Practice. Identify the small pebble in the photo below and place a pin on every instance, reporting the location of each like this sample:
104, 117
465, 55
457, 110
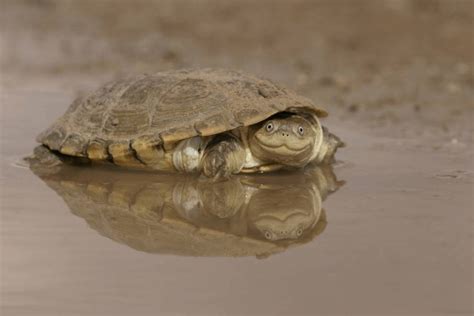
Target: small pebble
354, 107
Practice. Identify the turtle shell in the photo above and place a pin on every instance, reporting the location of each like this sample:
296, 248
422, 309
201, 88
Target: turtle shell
168, 107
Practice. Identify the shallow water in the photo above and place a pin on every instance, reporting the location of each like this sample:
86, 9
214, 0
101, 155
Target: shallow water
395, 239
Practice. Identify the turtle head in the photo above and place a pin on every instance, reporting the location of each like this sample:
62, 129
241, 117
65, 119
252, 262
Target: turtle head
285, 138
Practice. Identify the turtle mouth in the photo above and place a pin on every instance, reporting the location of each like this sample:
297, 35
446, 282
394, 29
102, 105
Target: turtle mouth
284, 149
298, 214
282, 146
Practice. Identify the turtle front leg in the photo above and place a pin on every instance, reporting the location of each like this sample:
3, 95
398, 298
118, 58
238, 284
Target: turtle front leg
224, 156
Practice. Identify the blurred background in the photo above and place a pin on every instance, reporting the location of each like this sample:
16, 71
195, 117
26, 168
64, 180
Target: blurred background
398, 68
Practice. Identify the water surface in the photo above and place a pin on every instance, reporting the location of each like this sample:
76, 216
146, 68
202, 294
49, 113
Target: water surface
395, 239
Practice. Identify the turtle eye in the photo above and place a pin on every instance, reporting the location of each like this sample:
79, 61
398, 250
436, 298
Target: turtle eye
301, 130
268, 235
269, 127
299, 232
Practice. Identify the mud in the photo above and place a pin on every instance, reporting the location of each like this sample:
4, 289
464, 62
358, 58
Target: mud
396, 238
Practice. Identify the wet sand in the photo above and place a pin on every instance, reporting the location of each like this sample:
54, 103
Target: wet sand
398, 240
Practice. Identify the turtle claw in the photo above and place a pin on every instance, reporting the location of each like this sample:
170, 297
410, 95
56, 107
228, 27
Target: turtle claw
220, 161
215, 166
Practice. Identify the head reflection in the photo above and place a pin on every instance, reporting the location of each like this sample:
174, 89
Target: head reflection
256, 215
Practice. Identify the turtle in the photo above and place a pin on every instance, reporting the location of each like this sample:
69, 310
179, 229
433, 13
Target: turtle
216, 122
244, 216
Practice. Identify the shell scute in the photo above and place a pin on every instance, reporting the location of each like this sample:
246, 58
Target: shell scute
53, 137
178, 133
98, 149
149, 151
267, 90
187, 91
217, 121
74, 145
126, 121
124, 155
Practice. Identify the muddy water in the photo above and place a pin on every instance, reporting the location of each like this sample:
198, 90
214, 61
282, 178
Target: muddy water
396, 238
192, 216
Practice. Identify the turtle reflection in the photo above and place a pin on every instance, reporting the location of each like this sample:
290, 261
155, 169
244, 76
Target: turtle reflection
245, 216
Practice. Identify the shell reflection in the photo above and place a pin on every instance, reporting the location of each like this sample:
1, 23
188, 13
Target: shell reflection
256, 215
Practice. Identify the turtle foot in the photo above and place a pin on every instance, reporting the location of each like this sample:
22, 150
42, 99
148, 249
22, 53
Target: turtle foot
223, 159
